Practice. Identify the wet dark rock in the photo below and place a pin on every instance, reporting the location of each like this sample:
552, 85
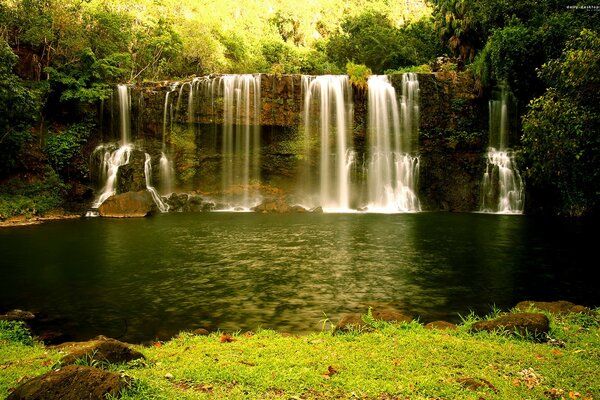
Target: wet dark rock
101, 349
194, 203
51, 337
207, 207
71, 383
554, 307
277, 206
521, 323
177, 201
316, 210
442, 63
131, 177
441, 325
17, 315
128, 205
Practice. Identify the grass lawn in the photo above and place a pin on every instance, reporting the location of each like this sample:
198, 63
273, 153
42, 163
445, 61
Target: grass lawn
387, 361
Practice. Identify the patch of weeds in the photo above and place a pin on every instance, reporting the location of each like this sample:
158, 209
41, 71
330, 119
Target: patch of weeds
495, 313
467, 321
326, 321
15, 332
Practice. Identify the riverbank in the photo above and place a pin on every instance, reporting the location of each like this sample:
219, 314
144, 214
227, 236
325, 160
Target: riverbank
24, 220
381, 360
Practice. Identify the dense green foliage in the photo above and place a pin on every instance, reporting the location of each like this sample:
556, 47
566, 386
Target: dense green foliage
561, 145
547, 53
373, 40
20, 197
19, 107
64, 150
15, 332
68, 54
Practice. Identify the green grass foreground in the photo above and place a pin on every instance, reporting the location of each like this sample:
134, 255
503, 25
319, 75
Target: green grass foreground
388, 361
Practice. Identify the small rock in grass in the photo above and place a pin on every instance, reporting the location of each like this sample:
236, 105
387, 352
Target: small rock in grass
554, 307
72, 382
101, 349
169, 376
520, 323
441, 325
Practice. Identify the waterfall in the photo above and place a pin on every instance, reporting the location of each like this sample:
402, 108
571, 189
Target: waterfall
110, 163
112, 158
166, 173
327, 116
502, 189
162, 206
241, 138
392, 173
124, 99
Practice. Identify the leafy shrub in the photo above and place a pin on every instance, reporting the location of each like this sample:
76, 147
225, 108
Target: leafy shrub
358, 74
15, 332
560, 131
64, 149
19, 198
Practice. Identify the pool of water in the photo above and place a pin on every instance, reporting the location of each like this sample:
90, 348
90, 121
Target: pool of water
141, 279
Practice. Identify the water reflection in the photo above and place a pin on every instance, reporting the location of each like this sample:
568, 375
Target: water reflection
149, 278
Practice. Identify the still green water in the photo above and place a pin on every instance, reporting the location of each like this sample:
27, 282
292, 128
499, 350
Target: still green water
141, 279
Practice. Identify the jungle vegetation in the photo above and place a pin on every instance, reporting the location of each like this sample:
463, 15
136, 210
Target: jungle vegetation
58, 59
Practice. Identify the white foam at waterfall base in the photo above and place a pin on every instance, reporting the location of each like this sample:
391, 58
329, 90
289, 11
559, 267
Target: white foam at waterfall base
500, 175
502, 189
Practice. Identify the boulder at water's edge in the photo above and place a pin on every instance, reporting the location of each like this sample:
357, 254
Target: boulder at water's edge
128, 205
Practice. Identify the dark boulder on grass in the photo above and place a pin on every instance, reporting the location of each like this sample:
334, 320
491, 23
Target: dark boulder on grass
101, 349
554, 307
440, 325
71, 383
520, 323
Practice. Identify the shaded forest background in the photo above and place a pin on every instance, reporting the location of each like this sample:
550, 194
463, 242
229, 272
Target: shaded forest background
58, 59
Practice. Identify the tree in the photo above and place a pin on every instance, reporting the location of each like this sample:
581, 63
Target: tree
19, 107
561, 131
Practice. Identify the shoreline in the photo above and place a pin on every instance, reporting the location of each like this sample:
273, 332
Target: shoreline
23, 220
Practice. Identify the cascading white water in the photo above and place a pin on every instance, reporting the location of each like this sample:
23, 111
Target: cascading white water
240, 138
124, 114
393, 172
502, 189
113, 159
166, 174
330, 98
162, 206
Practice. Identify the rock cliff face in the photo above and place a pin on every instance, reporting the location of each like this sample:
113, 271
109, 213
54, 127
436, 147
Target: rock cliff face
452, 135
